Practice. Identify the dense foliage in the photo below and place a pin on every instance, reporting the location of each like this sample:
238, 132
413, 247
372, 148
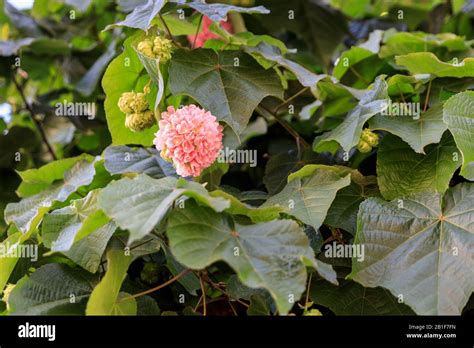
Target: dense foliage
344, 184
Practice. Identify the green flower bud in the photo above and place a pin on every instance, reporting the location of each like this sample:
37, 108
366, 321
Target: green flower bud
139, 103
145, 47
363, 146
162, 48
150, 273
138, 122
125, 101
370, 137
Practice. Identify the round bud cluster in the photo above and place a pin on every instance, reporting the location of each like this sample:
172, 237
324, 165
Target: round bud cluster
135, 106
156, 48
367, 141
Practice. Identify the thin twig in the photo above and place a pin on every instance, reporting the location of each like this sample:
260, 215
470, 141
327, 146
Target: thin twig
307, 292
197, 31
286, 126
37, 123
427, 99
296, 95
159, 287
168, 30
203, 290
218, 288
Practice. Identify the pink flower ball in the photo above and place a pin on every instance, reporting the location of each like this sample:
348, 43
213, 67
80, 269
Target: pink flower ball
190, 137
205, 34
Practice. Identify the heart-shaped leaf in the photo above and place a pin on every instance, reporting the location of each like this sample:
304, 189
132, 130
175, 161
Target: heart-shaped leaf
420, 248
230, 84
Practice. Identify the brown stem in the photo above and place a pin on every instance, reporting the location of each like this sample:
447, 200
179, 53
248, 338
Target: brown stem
197, 31
427, 99
286, 126
161, 286
203, 290
37, 123
290, 99
168, 31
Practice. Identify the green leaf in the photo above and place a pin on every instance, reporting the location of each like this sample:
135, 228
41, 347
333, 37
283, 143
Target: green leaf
218, 12
428, 63
80, 231
404, 43
349, 58
420, 248
270, 255
401, 171
344, 208
347, 134
36, 180
53, 289
27, 213
258, 306
148, 201
8, 257
308, 198
105, 299
459, 116
125, 305
255, 214
273, 54
124, 159
230, 84
142, 16
351, 298
125, 74
417, 130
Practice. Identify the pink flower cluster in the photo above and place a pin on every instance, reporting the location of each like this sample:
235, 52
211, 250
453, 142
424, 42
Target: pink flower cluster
190, 137
205, 34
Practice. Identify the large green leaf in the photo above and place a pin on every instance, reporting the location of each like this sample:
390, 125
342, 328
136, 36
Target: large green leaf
125, 74
105, 299
124, 159
8, 257
230, 84
405, 43
148, 200
419, 131
27, 213
420, 248
401, 171
347, 134
80, 231
53, 289
344, 208
428, 63
458, 114
271, 255
309, 197
36, 180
